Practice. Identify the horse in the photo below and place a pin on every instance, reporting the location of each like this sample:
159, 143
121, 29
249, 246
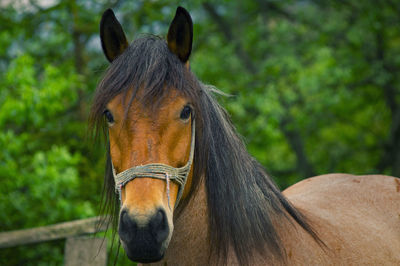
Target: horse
183, 190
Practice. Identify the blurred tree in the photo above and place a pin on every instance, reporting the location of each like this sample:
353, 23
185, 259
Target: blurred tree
319, 77
314, 90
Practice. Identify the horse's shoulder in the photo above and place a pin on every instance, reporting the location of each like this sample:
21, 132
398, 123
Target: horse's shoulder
343, 194
337, 184
349, 211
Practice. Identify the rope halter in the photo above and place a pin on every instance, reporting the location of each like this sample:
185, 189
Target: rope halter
158, 171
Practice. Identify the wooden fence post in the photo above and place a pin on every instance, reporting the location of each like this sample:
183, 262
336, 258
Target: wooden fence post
85, 251
80, 249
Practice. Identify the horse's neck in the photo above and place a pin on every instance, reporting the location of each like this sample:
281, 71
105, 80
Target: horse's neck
189, 244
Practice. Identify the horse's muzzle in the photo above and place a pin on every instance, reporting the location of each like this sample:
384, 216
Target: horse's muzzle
144, 238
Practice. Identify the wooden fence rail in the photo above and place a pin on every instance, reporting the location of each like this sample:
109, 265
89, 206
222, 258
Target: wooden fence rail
79, 249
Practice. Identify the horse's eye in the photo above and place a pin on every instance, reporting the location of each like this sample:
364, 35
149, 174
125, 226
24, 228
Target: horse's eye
185, 113
109, 117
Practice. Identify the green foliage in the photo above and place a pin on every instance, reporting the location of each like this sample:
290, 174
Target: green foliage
39, 179
314, 90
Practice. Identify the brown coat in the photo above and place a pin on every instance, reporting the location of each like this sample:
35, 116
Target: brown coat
358, 218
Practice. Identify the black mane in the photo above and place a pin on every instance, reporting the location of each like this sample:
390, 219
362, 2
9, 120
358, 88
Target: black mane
242, 199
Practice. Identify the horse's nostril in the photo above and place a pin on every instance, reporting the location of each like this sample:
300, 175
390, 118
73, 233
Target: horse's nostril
159, 226
125, 217
127, 227
158, 218
155, 230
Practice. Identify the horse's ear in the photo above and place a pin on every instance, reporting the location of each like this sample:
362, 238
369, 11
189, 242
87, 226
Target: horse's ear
112, 36
180, 34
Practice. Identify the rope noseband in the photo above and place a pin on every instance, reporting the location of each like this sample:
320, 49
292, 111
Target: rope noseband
157, 171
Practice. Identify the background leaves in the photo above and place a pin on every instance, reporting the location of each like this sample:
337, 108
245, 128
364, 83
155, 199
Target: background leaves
314, 85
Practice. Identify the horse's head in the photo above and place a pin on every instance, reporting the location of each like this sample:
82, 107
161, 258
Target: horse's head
147, 102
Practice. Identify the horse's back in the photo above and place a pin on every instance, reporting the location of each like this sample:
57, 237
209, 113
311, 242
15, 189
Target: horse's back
358, 217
